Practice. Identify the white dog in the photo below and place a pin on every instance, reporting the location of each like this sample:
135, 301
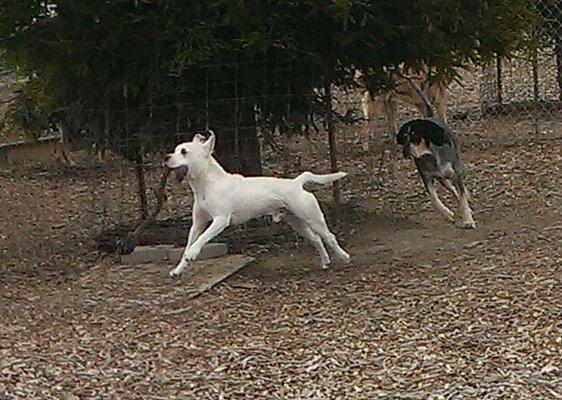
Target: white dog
223, 199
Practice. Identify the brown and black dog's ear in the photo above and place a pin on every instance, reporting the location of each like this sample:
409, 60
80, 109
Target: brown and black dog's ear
422, 128
402, 137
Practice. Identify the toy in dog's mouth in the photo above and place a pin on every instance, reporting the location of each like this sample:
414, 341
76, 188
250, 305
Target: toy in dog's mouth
179, 173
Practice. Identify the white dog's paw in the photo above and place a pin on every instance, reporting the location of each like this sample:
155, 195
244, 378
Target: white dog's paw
345, 257
467, 224
176, 272
191, 254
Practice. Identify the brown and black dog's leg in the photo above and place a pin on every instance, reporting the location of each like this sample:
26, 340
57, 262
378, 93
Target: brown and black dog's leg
449, 186
464, 206
435, 200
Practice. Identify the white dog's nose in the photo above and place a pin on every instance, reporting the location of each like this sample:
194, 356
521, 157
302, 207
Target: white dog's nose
166, 159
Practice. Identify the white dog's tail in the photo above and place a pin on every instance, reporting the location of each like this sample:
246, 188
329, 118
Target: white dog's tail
325, 179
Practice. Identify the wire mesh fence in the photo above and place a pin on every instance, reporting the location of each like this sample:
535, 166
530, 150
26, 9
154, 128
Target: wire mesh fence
532, 80
265, 125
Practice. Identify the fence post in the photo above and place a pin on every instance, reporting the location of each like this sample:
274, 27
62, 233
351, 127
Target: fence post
336, 191
139, 168
536, 93
499, 79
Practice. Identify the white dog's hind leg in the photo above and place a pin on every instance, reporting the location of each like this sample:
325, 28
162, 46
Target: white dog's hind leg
306, 208
302, 229
330, 239
192, 252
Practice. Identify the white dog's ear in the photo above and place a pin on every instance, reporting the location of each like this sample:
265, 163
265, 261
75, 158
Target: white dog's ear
210, 143
198, 138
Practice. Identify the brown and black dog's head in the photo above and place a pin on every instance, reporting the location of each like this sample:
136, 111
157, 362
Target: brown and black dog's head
413, 132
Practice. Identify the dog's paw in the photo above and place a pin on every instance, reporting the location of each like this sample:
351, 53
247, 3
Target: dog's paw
345, 258
467, 225
191, 254
176, 272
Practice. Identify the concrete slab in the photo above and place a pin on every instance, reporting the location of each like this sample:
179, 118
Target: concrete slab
148, 254
167, 253
210, 250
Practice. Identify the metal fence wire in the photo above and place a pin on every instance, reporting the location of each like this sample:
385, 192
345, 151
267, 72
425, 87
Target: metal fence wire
261, 96
532, 80
289, 129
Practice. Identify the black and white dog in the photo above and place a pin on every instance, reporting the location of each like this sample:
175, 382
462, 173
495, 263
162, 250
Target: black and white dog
437, 156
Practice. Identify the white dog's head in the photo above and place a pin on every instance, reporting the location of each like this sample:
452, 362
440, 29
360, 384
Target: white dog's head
191, 157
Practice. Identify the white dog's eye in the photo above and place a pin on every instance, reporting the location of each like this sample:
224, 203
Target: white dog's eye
183, 151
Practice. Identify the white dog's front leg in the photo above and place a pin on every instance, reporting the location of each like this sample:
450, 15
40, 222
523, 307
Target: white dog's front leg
192, 252
218, 225
198, 223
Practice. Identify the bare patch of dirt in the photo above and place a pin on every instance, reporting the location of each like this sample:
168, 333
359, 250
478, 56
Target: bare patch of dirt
423, 311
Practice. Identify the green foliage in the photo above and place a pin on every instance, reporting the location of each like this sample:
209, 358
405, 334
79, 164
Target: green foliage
178, 62
26, 113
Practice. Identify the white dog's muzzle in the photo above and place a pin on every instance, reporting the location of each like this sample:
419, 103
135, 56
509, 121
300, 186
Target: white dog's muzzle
179, 172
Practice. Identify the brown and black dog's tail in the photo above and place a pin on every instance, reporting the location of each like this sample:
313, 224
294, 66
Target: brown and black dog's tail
430, 109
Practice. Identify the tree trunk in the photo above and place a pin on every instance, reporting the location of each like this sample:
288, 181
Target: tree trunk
225, 153
238, 150
248, 149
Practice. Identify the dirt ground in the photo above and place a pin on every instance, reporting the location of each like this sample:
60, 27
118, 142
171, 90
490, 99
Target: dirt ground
424, 310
